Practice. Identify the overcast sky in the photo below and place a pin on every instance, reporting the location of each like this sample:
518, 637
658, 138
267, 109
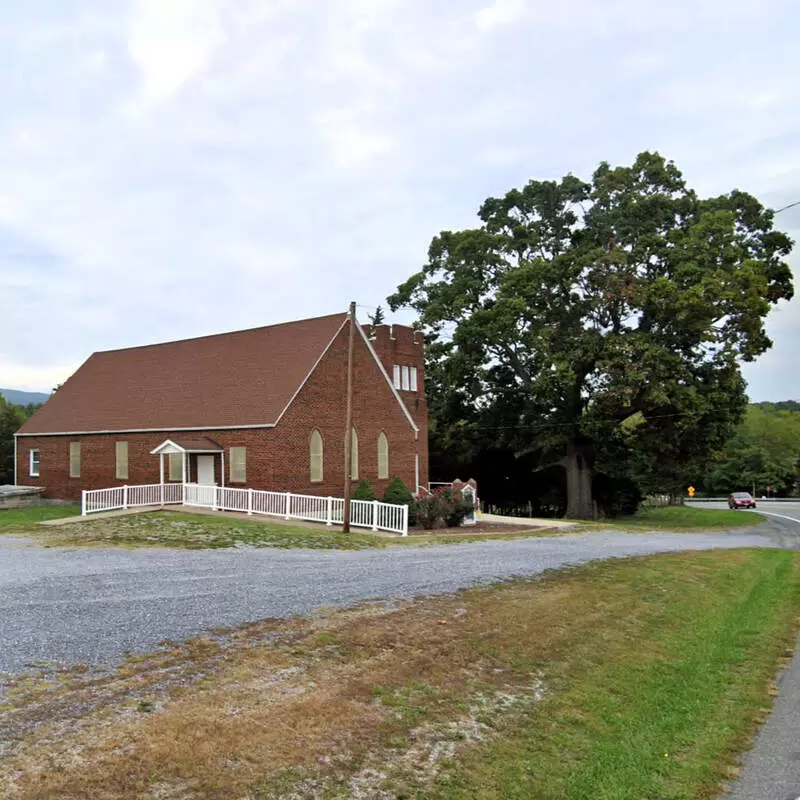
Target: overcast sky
173, 168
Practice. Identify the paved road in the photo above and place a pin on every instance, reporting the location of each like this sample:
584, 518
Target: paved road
92, 606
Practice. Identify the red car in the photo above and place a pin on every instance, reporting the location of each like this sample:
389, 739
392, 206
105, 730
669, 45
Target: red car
741, 500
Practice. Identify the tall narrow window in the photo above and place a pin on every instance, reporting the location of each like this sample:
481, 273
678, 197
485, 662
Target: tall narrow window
175, 466
405, 379
354, 454
238, 464
122, 461
413, 375
396, 376
316, 456
33, 463
383, 456
74, 459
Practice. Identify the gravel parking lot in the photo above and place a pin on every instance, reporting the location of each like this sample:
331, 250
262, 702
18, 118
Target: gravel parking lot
92, 606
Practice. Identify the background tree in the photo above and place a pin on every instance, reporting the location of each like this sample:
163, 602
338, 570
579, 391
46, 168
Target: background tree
763, 452
578, 307
10, 420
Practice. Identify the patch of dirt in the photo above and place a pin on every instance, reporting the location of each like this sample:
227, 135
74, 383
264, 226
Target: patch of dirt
481, 528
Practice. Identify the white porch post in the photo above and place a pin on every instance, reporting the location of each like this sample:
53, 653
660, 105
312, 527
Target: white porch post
161, 468
222, 477
185, 467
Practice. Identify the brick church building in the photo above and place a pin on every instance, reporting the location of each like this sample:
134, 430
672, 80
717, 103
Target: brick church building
262, 408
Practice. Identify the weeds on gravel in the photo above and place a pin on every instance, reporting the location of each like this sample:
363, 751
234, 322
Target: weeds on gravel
201, 531
635, 678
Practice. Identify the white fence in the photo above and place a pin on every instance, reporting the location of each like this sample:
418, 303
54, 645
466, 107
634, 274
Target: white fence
155, 494
363, 513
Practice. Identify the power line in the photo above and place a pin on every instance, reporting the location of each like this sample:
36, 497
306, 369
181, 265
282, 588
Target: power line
791, 205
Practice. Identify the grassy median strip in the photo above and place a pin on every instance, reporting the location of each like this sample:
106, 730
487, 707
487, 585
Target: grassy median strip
632, 679
685, 518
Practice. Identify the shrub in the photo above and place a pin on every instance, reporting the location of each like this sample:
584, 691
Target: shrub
455, 508
398, 494
428, 510
442, 505
364, 491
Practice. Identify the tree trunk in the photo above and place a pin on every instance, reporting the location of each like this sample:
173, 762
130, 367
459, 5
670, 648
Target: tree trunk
579, 483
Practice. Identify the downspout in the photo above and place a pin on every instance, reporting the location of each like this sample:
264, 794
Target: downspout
15, 460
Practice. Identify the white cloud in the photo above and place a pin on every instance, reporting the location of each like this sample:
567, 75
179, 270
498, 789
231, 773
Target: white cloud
286, 156
172, 41
501, 12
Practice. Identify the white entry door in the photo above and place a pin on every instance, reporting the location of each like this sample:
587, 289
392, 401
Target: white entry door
205, 471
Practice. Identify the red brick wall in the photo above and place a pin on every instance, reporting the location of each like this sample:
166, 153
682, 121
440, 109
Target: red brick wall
401, 345
277, 458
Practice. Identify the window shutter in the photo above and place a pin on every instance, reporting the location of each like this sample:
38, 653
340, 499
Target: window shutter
316, 456
122, 461
238, 464
175, 466
74, 459
383, 456
354, 456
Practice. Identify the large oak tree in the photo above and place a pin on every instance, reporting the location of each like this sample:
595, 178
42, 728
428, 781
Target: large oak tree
594, 319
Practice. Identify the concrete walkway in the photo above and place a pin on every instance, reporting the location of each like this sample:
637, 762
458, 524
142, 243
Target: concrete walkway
207, 512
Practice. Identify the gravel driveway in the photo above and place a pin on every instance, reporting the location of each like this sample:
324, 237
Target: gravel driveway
93, 606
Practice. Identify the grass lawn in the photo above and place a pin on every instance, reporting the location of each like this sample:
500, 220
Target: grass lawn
684, 518
200, 531
24, 518
631, 679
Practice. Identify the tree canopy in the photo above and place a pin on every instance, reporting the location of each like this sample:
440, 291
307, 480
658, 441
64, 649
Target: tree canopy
762, 456
600, 324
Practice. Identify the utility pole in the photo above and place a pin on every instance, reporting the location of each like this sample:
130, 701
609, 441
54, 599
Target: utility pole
348, 424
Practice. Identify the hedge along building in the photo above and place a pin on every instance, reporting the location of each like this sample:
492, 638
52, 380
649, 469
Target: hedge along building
262, 408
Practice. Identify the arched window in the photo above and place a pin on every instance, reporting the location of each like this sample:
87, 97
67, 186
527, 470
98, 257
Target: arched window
315, 450
354, 454
383, 456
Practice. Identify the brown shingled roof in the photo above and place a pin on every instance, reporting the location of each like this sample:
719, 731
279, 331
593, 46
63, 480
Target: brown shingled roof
231, 379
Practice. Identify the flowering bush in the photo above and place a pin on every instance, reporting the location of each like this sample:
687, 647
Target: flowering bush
443, 505
428, 510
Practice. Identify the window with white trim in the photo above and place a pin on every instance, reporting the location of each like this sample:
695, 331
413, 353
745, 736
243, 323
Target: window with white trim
405, 378
175, 461
383, 456
74, 459
353, 454
122, 460
238, 464
33, 463
315, 448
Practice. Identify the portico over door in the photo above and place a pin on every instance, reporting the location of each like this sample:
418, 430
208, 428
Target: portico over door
207, 452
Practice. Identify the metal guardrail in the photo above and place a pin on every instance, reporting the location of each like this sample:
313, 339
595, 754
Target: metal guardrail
757, 499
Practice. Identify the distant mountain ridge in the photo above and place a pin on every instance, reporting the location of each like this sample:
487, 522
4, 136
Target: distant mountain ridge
20, 398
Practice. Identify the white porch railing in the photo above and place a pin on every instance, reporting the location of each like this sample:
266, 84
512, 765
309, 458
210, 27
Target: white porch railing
329, 510
154, 494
